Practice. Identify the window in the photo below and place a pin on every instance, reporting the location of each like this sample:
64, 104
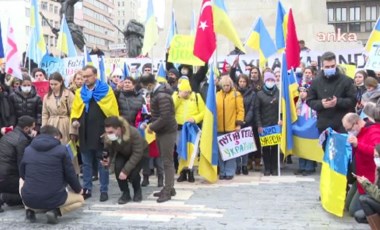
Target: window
330, 14
355, 27
27, 12
342, 27
43, 22
341, 14
56, 9
56, 24
355, 14
50, 7
46, 38
44, 6
370, 17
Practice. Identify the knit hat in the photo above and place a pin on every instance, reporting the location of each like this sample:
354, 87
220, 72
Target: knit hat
269, 75
175, 72
184, 84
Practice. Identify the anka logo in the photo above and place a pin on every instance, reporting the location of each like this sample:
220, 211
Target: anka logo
336, 37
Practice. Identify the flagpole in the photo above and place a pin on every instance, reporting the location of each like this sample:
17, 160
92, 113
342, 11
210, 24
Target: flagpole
279, 116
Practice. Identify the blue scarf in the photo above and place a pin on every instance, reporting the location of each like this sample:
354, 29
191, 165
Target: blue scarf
98, 93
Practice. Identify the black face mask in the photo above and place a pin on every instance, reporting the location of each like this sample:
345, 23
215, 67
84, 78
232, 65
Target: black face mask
171, 80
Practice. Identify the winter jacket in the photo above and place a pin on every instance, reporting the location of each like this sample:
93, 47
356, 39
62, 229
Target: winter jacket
162, 110
372, 96
249, 102
30, 105
133, 147
368, 137
339, 86
230, 110
130, 103
46, 169
372, 189
266, 107
6, 117
12, 146
193, 107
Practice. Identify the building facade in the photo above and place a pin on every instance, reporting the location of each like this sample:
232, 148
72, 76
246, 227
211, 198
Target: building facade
353, 16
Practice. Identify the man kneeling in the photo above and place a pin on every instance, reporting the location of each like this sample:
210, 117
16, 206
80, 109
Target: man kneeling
127, 150
45, 170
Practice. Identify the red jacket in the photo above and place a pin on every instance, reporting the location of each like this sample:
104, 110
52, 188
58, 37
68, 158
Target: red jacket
368, 137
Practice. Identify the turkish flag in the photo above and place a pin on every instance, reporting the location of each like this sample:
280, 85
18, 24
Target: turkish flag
292, 45
205, 38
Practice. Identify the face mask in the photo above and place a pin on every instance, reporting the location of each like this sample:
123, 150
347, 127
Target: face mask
329, 72
112, 137
26, 89
184, 72
353, 133
377, 161
269, 84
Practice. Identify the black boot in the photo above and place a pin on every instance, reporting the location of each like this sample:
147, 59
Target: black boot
137, 195
1, 202
160, 180
182, 176
238, 171
145, 181
30, 215
244, 169
52, 216
125, 198
190, 177
172, 193
164, 196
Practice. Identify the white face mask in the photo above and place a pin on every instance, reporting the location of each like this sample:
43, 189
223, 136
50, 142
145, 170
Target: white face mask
377, 161
353, 133
112, 137
270, 84
26, 89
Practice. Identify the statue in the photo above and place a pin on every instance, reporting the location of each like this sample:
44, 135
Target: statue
67, 8
134, 37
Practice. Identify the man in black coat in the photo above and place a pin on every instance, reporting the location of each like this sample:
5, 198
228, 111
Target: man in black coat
332, 95
46, 169
12, 146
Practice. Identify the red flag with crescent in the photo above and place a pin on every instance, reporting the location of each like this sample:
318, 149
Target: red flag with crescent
205, 38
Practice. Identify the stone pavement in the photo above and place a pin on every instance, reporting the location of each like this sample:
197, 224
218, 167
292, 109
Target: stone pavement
246, 202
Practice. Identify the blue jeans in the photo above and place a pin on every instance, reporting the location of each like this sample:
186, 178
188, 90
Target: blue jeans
242, 161
87, 159
306, 165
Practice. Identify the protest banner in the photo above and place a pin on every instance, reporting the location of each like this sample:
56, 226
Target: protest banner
42, 88
52, 64
181, 50
71, 66
373, 62
236, 144
270, 136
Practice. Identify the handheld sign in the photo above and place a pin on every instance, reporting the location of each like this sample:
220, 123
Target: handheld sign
236, 144
270, 136
373, 62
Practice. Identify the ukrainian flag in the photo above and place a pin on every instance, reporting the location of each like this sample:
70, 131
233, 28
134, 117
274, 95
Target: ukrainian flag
289, 90
188, 145
281, 26
151, 30
72, 149
65, 42
172, 31
374, 36
209, 140
2, 54
102, 70
161, 74
125, 70
223, 24
37, 46
261, 41
333, 181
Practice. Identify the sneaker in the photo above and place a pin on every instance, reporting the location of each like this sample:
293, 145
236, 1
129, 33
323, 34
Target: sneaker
103, 196
86, 193
172, 193
125, 198
30, 215
52, 216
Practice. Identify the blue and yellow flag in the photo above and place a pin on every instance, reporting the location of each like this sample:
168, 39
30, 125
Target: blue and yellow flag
261, 41
188, 145
65, 42
37, 46
223, 24
172, 30
72, 149
374, 36
102, 70
87, 58
151, 30
333, 181
125, 70
281, 26
161, 74
289, 90
208, 161
2, 54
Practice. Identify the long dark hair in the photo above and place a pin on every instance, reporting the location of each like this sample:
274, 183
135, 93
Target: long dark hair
57, 77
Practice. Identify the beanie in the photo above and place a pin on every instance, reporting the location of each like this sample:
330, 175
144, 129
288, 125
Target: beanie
269, 75
184, 84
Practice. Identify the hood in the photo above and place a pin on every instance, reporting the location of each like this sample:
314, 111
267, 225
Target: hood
44, 143
126, 134
188, 66
175, 72
33, 92
165, 88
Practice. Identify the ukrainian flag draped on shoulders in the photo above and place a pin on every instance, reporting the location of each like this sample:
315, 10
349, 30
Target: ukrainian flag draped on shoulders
333, 180
103, 96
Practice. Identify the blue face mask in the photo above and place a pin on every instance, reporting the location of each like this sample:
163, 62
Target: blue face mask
329, 72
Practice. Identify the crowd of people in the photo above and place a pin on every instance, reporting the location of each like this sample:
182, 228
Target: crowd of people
108, 123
